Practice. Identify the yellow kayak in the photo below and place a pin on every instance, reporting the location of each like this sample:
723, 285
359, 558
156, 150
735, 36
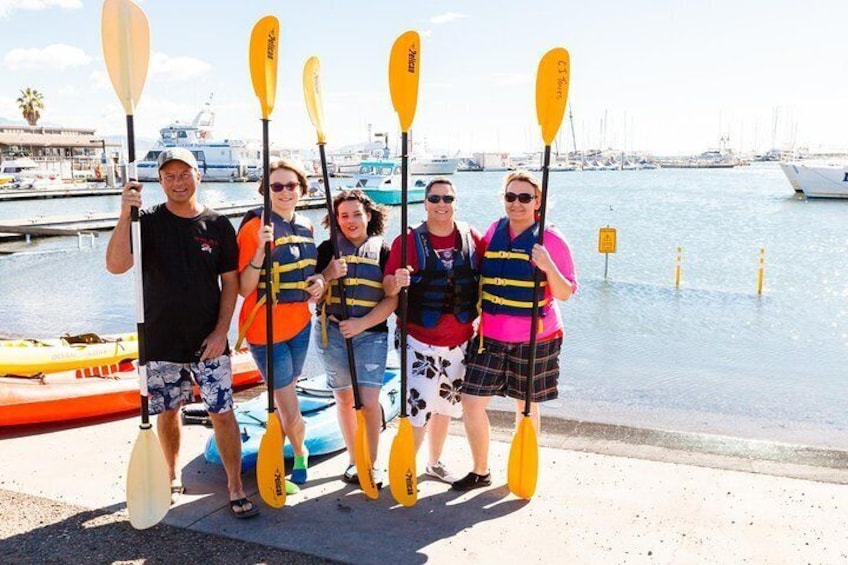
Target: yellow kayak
67, 353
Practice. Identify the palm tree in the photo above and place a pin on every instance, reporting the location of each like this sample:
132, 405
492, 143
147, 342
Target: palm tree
31, 103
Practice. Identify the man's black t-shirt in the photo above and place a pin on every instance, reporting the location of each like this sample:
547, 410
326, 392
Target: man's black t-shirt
325, 255
182, 259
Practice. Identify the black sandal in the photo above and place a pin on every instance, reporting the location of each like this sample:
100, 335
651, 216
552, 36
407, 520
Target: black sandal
237, 508
472, 481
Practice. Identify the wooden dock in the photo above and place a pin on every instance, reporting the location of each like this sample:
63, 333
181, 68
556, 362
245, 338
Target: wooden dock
70, 191
88, 224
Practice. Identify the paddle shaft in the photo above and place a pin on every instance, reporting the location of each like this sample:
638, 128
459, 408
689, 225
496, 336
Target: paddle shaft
334, 232
269, 295
135, 244
534, 313
403, 298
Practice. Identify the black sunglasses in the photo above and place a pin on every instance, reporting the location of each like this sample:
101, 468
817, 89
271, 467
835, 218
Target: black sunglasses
524, 198
290, 186
436, 198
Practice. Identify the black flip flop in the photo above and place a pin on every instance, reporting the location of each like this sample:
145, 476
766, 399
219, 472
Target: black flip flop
236, 504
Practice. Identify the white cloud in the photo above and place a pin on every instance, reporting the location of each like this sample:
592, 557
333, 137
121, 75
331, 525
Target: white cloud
165, 67
53, 57
510, 79
447, 18
9, 6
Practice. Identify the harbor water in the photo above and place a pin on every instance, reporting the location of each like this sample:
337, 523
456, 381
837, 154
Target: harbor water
712, 356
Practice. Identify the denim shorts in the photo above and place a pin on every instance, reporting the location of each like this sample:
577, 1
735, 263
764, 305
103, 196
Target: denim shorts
288, 358
170, 384
369, 352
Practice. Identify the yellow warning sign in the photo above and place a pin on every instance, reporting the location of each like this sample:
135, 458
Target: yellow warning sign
606, 240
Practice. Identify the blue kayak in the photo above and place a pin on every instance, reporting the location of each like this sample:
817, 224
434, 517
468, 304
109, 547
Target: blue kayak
318, 407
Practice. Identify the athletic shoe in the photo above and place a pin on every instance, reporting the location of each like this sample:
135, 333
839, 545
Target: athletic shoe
350, 475
472, 481
439, 471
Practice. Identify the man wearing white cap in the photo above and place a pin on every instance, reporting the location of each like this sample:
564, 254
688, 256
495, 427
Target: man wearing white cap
189, 263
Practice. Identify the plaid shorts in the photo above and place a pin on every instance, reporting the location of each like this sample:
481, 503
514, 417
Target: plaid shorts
501, 369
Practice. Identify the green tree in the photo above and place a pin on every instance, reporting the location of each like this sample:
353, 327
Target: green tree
31, 103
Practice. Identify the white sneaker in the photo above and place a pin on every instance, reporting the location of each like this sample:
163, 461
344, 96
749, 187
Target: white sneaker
439, 471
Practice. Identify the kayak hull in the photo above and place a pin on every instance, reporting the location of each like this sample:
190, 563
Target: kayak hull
318, 407
65, 396
30, 357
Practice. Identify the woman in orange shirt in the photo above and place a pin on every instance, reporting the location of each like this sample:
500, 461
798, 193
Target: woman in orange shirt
294, 284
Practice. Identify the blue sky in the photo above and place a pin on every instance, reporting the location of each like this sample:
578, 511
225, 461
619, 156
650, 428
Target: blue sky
664, 76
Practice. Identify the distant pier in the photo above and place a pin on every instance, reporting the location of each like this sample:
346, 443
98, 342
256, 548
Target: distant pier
88, 224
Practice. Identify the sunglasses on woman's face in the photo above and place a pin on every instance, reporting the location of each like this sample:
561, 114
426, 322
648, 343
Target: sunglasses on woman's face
290, 186
436, 198
524, 198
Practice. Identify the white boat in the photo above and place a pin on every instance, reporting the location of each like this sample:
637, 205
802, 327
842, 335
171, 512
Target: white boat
23, 172
433, 166
227, 160
819, 180
789, 169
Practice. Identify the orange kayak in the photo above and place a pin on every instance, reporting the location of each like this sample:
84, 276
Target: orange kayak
88, 393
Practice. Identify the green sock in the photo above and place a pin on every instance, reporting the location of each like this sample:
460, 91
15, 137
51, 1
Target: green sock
301, 461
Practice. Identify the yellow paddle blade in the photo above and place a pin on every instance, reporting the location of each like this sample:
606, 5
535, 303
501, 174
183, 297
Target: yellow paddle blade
404, 70
264, 44
126, 49
523, 467
403, 477
148, 483
312, 94
362, 457
270, 467
552, 81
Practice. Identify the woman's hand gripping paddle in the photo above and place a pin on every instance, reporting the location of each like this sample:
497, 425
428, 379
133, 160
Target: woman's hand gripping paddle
270, 467
126, 50
404, 72
314, 105
552, 81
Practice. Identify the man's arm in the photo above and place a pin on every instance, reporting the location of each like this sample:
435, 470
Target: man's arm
119, 257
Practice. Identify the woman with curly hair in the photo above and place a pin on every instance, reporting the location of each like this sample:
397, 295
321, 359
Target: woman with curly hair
363, 256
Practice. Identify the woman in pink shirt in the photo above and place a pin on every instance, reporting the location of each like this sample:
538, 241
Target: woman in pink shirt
498, 361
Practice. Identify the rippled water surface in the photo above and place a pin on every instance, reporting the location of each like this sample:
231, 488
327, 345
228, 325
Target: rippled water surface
712, 356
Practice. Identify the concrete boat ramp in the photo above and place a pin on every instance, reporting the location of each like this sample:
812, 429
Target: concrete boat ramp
601, 498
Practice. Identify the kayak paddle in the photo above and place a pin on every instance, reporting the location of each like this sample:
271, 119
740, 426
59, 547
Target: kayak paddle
404, 72
126, 49
361, 450
552, 79
270, 467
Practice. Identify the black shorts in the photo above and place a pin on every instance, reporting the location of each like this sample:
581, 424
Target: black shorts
501, 369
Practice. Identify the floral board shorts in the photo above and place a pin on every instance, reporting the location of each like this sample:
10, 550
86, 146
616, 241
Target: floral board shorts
170, 384
501, 370
434, 380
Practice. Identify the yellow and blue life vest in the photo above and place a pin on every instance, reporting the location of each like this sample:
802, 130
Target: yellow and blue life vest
293, 257
506, 274
364, 279
437, 290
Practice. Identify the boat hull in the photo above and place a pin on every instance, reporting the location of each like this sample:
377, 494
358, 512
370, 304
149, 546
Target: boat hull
31, 357
318, 407
65, 396
822, 181
434, 167
392, 197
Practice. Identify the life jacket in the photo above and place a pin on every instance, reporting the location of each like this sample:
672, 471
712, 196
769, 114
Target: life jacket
364, 279
363, 282
293, 259
437, 290
506, 274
